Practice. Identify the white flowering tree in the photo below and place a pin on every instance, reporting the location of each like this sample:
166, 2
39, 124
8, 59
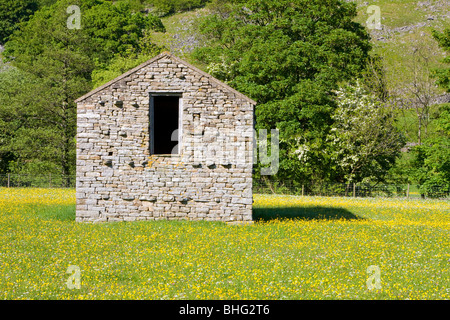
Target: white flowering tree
363, 141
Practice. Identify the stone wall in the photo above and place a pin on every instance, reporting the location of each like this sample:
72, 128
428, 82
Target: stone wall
119, 180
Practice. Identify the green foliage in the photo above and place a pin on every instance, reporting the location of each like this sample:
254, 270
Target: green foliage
119, 65
57, 60
13, 91
108, 29
432, 159
165, 7
57, 63
443, 74
122, 52
31, 136
288, 56
55, 212
12, 13
114, 28
363, 141
428, 163
374, 78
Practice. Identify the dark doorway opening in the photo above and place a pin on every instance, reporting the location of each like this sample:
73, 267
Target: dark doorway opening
165, 123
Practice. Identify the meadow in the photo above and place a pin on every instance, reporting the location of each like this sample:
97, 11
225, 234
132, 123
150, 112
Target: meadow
298, 248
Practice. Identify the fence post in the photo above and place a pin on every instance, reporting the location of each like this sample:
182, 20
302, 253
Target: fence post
407, 192
49, 180
303, 190
354, 190
8, 179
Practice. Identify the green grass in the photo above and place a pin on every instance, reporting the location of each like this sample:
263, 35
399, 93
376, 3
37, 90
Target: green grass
54, 212
394, 13
299, 248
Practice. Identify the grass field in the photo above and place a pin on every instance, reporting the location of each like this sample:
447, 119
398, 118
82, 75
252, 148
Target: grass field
299, 248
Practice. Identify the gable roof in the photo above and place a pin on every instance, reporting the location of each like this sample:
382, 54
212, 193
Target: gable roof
174, 58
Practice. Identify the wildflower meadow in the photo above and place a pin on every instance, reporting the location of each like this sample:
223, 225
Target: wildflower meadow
298, 248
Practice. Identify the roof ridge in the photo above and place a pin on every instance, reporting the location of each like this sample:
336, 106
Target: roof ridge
159, 56
124, 75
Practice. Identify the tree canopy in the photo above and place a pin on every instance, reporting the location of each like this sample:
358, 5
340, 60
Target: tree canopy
363, 141
57, 63
443, 75
288, 56
12, 13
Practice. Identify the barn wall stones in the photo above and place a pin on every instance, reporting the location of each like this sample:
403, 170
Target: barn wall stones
119, 180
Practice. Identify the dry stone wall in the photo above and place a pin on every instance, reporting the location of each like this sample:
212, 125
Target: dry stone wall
119, 180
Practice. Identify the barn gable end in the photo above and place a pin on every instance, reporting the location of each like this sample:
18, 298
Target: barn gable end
126, 127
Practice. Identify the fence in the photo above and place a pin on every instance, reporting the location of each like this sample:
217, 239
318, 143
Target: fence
36, 181
347, 190
259, 186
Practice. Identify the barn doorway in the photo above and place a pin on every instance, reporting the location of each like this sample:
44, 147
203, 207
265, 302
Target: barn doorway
165, 122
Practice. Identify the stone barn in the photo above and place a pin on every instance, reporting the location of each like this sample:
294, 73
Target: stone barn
164, 140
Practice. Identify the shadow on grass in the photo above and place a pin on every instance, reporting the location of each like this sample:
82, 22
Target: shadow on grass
67, 213
303, 213
55, 212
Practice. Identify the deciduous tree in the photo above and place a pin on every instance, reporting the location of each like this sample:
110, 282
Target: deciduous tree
363, 141
59, 62
288, 56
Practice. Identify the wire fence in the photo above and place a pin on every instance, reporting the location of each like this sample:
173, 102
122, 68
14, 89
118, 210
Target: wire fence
36, 181
262, 186
266, 186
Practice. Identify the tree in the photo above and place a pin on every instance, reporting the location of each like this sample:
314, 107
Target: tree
288, 56
418, 90
363, 141
374, 78
13, 93
432, 159
431, 164
114, 28
59, 61
443, 74
125, 61
12, 13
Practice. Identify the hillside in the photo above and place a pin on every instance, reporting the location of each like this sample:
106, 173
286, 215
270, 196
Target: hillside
402, 23
405, 25
180, 37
